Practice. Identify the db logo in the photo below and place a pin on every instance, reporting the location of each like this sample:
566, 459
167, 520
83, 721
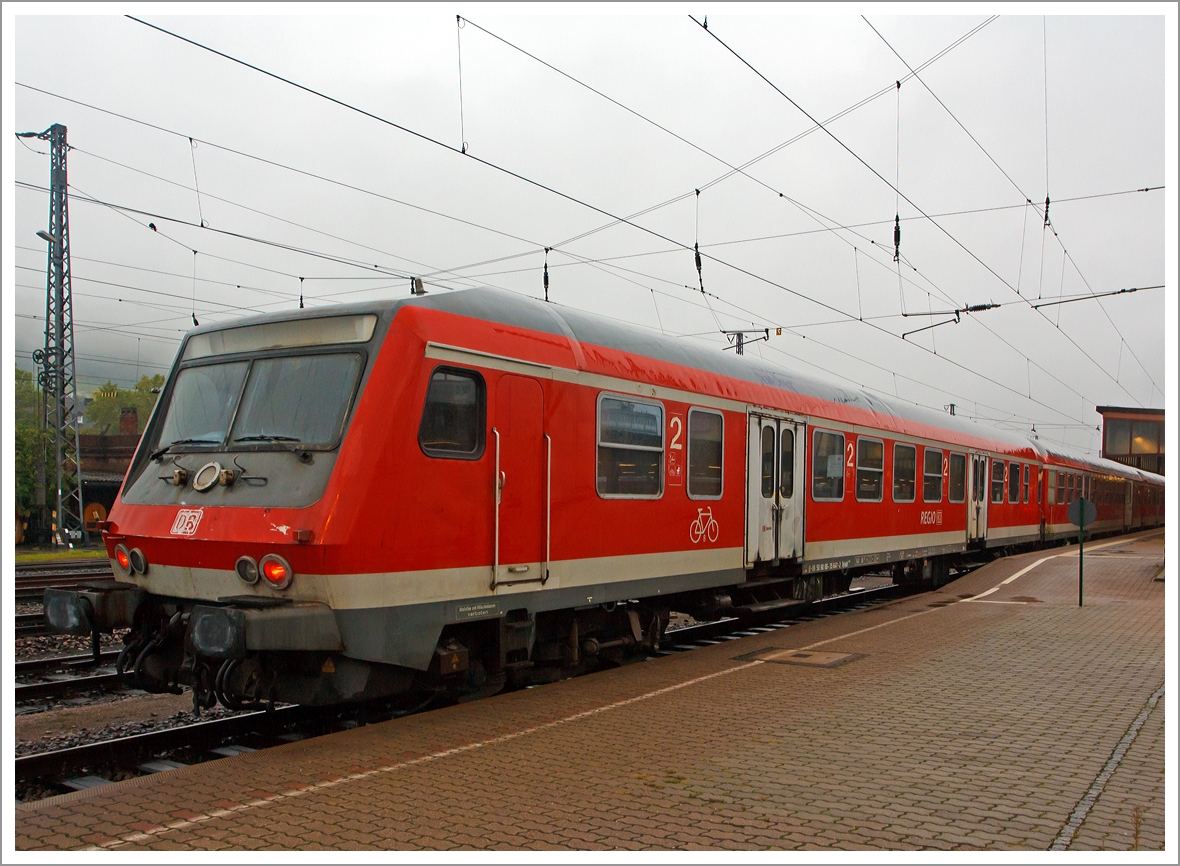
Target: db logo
186, 521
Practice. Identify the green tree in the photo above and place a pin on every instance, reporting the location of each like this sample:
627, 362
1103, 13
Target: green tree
102, 414
28, 439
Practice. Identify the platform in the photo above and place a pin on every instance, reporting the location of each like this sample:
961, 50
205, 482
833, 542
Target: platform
991, 714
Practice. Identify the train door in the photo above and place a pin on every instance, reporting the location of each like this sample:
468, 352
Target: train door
521, 494
774, 496
1128, 490
977, 500
791, 439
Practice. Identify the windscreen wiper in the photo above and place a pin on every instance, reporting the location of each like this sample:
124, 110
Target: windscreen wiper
304, 456
156, 455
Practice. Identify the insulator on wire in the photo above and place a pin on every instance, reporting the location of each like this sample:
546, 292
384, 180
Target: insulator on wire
545, 274
1046, 208
696, 247
896, 237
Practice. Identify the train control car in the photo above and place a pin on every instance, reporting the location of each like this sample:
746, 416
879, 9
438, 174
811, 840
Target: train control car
455, 491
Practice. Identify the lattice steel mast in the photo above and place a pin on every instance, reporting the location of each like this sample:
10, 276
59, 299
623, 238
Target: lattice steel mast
56, 377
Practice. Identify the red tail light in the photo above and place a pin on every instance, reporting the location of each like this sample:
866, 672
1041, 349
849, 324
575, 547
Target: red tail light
123, 558
276, 570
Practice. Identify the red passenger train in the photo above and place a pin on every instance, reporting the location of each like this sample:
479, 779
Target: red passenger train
456, 491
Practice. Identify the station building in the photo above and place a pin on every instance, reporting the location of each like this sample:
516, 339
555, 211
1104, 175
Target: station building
1133, 436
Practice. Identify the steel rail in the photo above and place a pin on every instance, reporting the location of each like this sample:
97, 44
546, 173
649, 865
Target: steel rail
126, 750
59, 688
30, 667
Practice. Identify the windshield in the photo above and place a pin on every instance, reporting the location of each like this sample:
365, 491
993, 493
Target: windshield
289, 399
203, 403
301, 399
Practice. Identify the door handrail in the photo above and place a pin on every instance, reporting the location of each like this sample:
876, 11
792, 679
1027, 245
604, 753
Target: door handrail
497, 486
548, 504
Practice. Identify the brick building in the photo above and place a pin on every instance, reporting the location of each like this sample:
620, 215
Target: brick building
105, 459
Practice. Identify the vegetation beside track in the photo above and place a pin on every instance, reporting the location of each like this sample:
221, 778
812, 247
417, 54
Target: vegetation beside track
51, 555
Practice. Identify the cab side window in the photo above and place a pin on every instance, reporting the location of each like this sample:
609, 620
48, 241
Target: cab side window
453, 418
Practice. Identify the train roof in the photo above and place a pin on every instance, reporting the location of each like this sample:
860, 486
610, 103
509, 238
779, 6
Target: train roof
517, 310
1099, 464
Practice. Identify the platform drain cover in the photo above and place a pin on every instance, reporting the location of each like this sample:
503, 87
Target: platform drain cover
809, 658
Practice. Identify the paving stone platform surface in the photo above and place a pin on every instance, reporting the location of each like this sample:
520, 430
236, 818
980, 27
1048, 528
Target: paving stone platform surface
959, 721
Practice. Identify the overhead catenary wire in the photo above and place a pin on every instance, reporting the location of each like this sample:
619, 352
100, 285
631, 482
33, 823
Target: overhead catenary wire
447, 216
1047, 223
545, 187
714, 314
269, 215
226, 232
696, 192
908, 201
733, 169
273, 163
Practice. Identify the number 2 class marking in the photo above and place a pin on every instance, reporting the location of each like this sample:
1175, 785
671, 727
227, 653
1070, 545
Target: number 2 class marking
678, 428
850, 455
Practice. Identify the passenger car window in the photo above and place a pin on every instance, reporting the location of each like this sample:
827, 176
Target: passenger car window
957, 483
905, 467
1014, 483
997, 480
705, 436
870, 469
932, 475
827, 467
630, 448
453, 418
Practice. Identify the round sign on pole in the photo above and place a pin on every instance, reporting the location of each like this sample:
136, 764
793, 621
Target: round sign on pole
1075, 512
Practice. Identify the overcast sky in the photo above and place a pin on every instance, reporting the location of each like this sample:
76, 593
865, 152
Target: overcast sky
801, 239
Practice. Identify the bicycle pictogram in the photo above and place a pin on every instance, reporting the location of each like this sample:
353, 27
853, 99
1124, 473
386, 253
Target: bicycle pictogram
704, 526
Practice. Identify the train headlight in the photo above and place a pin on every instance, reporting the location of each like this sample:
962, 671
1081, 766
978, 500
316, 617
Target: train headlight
247, 569
207, 477
138, 561
276, 570
123, 558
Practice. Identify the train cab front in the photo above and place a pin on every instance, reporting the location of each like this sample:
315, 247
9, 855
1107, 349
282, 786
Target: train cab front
217, 538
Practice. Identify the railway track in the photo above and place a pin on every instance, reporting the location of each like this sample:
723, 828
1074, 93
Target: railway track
65, 767
31, 624
32, 579
128, 751
66, 675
